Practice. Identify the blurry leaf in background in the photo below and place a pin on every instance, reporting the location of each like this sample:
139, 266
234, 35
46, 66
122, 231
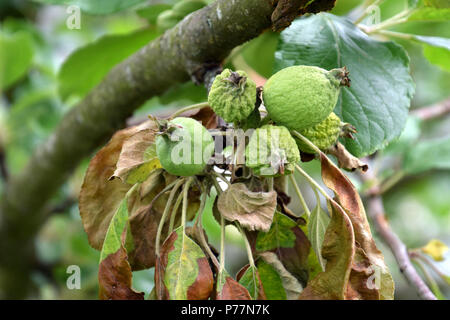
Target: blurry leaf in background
438, 56
152, 12
259, 53
16, 57
96, 6
435, 249
430, 10
408, 137
378, 100
87, 66
427, 155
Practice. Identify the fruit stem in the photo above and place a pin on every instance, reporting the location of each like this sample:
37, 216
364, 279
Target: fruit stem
174, 212
306, 140
164, 215
300, 195
201, 232
185, 203
188, 108
222, 243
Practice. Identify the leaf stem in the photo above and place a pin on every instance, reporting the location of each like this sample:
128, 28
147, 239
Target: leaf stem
164, 215
367, 10
299, 195
247, 245
397, 19
393, 34
431, 282
270, 183
189, 108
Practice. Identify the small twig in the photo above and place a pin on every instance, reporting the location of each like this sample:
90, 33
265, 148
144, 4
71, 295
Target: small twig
398, 248
434, 111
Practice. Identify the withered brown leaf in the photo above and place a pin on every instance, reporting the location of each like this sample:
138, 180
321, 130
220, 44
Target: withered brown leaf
368, 258
338, 249
253, 210
114, 277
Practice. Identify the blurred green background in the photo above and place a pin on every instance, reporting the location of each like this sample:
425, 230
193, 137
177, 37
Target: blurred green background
31, 106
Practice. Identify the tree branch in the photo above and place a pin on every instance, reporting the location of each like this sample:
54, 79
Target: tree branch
191, 50
377, 214
434, 111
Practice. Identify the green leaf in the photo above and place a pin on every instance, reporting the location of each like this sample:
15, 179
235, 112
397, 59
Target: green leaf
16, 57
271, 281
251, 281
427, 155
317, 226
119, 223
183, 267
96, 6
378, 100
87, 66
291, 285
280, 234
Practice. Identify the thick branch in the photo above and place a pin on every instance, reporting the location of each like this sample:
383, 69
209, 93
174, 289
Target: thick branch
398, 248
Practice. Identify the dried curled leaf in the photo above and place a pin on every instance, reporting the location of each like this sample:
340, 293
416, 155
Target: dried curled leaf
184, 269
253, 210
99, 198
369, 261
338, 249
345, 159
114, 277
